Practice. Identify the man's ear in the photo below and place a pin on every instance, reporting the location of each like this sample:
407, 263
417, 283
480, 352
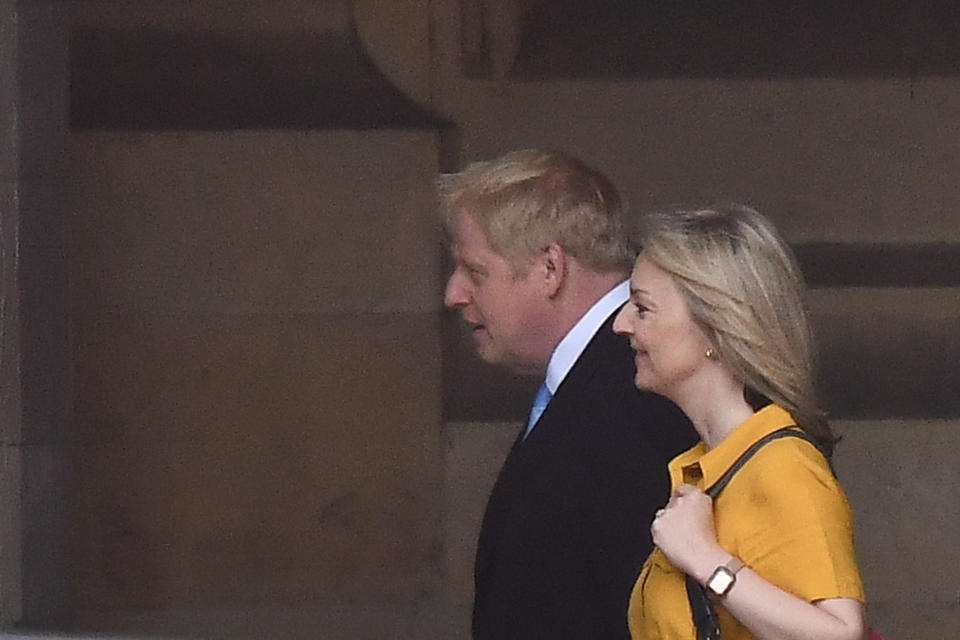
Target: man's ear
555, 268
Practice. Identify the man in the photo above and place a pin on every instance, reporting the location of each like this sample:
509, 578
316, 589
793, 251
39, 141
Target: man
541, 267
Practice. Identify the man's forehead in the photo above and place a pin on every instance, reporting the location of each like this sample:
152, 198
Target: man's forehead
467, 235
470, 254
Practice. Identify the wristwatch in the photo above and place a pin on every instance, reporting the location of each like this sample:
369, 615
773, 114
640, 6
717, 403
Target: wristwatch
724, 577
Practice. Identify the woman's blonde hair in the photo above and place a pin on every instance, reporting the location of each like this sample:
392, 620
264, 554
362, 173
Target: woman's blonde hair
743, 287
527, 199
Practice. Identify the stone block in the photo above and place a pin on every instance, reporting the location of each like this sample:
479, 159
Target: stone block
9, 94
257, 459
45, 350
256, 221
901, 476
334, 620
11, 536
10, 344
43, 85
829, 159
45, 530
888, 352
279, 17
475, 452
915, 621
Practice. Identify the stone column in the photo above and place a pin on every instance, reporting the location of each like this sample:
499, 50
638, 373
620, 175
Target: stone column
35, 359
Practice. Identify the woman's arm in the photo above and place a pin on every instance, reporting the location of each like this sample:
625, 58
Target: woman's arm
685, 532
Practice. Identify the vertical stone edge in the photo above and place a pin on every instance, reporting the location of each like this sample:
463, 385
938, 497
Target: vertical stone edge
10, 469
43, 344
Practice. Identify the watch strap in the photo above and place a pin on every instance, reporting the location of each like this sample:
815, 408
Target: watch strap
724, 577
734, 564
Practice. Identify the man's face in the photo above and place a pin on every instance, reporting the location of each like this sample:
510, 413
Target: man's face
504, 309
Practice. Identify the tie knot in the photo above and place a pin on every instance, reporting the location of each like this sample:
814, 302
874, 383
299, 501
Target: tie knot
543, 396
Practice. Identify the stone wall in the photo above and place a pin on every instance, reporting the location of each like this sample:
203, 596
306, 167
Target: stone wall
34, 329
257, 408
276, 432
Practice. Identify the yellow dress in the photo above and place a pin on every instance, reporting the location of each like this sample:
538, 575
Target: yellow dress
784, 514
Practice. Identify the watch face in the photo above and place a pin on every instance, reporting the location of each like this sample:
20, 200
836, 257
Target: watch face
721, 581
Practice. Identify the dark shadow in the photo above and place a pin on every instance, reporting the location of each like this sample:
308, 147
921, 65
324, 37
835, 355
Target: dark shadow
734, 38
150, 78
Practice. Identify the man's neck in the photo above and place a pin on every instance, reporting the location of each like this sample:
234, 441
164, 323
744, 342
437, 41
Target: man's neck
584, 288
567, 349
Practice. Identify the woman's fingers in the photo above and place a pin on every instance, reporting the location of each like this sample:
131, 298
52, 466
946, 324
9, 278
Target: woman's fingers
684, 489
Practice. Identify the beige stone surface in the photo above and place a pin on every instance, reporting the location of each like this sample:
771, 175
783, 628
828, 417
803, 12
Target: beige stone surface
933, 306
915, 621
11, 534
474, 454
45, 528
401, 25
836, 160
901, 478
243, 17
8, 89
255, 221
43, 86
889, 352
10, 385
329, 621
258, 459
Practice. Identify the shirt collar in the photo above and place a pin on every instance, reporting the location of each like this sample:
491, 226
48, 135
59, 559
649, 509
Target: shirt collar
702, 468
568, 351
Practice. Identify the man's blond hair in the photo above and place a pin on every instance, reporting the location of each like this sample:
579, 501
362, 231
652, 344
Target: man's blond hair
526, 200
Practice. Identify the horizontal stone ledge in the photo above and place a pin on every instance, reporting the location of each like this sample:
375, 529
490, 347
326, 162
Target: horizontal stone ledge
882, 264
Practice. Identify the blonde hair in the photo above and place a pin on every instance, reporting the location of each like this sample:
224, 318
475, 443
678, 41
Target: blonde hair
743, 287
527, 199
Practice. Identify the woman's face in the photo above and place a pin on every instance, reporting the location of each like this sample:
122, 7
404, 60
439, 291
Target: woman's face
671, 348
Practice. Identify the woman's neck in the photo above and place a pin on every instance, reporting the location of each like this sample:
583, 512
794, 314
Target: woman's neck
715, 407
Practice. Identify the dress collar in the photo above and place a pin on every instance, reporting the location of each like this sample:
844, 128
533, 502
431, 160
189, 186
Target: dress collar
701, 468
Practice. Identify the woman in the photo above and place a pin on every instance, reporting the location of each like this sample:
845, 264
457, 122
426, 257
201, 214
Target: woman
717, 320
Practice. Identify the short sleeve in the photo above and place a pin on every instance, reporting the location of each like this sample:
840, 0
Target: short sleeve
793, 524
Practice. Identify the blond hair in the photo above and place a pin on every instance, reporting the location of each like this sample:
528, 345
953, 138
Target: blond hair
528, 199
743, 287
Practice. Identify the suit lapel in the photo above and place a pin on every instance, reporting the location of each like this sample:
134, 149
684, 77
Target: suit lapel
579, 376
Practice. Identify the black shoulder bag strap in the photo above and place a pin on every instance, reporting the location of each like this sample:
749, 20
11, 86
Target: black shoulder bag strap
704, 615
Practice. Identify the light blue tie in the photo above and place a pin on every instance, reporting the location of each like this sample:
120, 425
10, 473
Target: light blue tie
539, 406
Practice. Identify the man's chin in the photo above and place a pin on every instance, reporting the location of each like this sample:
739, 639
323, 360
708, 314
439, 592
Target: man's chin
488, 355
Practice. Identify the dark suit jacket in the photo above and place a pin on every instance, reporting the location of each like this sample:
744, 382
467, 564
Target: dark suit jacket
567, 525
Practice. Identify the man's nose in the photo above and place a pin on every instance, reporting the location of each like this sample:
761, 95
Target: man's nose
456, 294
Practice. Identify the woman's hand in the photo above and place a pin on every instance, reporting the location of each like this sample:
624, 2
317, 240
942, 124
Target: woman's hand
685, 533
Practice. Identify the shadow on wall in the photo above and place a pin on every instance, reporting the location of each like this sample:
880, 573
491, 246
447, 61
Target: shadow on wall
748, 38
153, 78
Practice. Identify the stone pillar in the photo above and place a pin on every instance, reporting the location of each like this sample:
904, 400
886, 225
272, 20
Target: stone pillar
34, 337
